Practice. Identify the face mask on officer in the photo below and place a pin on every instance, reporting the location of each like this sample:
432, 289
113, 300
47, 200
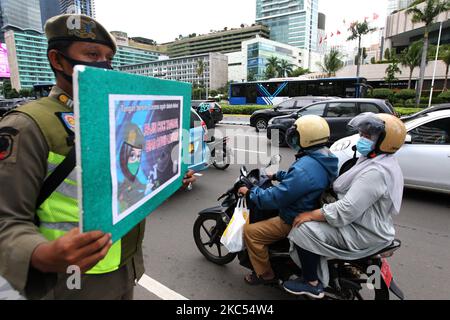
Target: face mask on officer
102, 65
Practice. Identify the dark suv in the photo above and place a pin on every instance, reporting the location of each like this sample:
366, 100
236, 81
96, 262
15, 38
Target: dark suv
338, 114
260, 119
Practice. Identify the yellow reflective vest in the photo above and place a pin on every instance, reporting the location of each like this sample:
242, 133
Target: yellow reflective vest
60, 213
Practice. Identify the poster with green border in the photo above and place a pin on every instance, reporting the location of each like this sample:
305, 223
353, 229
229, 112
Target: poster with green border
132, 133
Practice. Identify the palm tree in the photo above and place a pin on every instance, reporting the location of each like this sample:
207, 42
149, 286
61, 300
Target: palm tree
426, 14
200, 71
358, 30
299, 72
411, 57
273, 65
285, 68
332, 62
251, 76
444, 55
270, 72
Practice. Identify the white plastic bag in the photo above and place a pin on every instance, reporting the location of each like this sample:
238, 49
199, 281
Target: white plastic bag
233, 237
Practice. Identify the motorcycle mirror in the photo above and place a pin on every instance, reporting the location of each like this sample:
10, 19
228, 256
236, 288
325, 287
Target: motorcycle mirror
275, 160
244, 171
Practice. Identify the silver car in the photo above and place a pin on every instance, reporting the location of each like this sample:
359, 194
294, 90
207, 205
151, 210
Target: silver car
425, 157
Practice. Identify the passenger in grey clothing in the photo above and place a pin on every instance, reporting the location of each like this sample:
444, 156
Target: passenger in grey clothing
360, 223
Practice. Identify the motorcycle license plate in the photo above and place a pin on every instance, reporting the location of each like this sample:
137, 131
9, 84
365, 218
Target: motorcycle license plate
386, 272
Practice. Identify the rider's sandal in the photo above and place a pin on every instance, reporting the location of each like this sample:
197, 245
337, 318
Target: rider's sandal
253, 280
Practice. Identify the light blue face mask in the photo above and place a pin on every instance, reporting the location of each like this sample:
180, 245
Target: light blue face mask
365, 146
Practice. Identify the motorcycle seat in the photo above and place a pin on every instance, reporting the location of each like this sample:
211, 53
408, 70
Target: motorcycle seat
385, 253
388, 251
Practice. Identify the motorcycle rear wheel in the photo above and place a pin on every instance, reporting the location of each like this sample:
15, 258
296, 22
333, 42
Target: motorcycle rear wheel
213, 228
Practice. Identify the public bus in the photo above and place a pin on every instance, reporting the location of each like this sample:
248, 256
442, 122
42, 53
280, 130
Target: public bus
274, 92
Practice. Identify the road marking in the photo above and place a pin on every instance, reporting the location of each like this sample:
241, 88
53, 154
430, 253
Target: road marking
159, 289
255, 136
251, 151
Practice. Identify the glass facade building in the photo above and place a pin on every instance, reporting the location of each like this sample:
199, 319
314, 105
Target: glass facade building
20, 14
49, 9
86, 7
294, 22
394, 5
27, 55
259, 51
128, 56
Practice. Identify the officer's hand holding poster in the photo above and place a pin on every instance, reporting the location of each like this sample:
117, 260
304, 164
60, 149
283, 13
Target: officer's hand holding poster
129, 138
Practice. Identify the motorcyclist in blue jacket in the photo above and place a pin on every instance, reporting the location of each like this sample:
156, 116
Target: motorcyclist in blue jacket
299, 190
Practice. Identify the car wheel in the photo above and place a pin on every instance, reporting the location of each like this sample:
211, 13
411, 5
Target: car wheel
261, 124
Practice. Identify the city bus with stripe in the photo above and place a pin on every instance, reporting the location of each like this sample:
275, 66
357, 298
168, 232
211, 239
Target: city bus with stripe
274, 92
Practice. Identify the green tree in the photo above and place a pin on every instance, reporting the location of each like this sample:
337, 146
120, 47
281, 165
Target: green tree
26, 93
270, 72
299, 72
444, 55
285, 68
272, 67
200, 71
358, 30
426, 15
387, 54
391, 71
7, 88
332, 62
411, 57
251, 76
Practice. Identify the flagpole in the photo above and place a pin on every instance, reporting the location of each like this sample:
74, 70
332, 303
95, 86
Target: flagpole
435, 65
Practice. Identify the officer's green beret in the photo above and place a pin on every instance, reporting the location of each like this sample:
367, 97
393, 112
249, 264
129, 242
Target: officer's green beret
78, 27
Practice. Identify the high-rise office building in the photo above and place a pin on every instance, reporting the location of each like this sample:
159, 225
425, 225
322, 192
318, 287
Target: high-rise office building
49, 9
129, 53
294, 22
86, 7
225, 41
20, 14
395, 5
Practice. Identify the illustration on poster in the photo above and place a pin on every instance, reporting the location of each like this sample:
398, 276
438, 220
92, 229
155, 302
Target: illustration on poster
146, 133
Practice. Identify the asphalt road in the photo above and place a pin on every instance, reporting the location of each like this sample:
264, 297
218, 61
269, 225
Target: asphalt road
421, 267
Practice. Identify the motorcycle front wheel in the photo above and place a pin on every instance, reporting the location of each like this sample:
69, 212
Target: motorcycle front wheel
222, 166
208, 230
224, 162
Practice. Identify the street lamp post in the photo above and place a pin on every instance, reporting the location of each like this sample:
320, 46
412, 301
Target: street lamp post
435, 65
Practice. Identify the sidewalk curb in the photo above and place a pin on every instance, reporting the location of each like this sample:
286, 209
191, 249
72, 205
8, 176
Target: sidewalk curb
232, 123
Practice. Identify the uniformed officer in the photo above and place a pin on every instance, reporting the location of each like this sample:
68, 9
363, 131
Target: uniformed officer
38, 245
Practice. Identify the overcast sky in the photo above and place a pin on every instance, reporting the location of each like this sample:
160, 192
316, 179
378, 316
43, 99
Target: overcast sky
164, 20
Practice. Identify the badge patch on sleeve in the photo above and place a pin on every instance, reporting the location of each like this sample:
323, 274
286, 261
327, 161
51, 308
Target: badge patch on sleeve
7, 142
68, 120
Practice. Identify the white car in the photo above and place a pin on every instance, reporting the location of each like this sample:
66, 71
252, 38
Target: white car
425, 157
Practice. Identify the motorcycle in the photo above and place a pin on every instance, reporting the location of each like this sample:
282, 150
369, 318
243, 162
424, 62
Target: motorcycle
347, 278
